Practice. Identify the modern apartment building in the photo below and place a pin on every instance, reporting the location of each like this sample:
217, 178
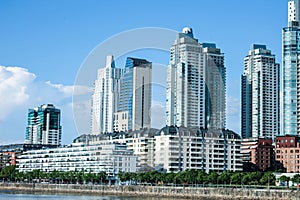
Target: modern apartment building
179, 149
291, 71
44, 125
108, 157
141, 142
196, 84
288, 152
215, 79
260, 94
105, 98
134, 106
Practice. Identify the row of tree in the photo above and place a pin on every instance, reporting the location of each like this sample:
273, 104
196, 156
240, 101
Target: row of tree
190, 177
200, 177
11, 174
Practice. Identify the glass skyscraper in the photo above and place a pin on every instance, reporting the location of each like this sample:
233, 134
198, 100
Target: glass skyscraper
44, 125
291, 71
134, 106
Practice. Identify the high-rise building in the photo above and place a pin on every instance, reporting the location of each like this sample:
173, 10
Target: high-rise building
196, 84
134, 106
291, 71
105, 98
44, 125
215, 79
260, 94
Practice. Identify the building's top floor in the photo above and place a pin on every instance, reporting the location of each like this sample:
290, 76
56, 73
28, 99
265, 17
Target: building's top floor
89, 138
24, 147
211, 48
137, 62
198, 132
259, 49
186, 36
256, 143
288, 141
293, 13
44, 107
104, 148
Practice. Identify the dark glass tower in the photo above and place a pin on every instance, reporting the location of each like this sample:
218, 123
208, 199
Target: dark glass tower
134, 108
44, 125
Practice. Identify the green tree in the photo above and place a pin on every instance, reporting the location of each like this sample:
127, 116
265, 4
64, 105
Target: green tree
246, 178
236, 178
170, 177
212, 177
296, 178
224, 177
201, 177
268, 178
8, 172
255, 177
101, 176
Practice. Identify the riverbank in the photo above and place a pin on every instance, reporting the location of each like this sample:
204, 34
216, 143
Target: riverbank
161, 191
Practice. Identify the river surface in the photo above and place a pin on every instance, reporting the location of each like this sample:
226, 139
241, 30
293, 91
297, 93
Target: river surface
9, 195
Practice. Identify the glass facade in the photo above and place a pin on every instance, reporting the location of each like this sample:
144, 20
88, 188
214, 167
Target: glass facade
125, 103
44, 125
291, 49
135, 94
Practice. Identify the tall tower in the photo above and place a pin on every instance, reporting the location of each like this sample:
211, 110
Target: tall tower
134, 107
44, 125
196, 85
215, 79
260, 94
105, 97
291, 71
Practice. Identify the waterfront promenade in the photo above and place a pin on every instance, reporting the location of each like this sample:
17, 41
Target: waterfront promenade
162, 191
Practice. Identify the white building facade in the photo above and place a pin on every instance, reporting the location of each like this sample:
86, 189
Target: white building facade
141, 142
105, 98
179, 149
108, 157
196, 84
260, 94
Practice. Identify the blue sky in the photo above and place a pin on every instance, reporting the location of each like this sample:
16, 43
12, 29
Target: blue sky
44, 43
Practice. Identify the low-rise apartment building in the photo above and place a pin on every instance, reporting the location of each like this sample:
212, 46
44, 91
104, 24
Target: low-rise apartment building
107, 156
141, 142
258, 153
180, 148
288, 152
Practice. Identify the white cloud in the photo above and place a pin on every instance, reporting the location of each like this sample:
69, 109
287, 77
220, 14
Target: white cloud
19, 90
69, 90
14, 82
158, 112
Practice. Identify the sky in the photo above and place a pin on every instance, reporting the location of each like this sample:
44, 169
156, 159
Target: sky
45, 46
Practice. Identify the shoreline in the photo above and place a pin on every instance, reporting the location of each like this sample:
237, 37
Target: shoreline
152, 191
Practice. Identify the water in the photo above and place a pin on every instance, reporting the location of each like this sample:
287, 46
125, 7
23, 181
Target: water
9, 195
